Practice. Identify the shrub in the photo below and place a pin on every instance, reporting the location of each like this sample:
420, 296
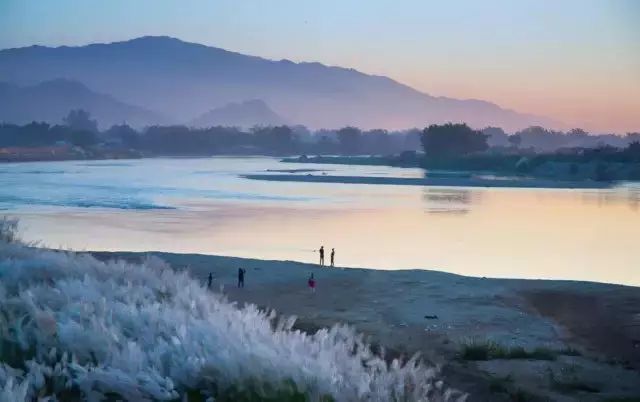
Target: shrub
569, 382
486, 350
569, 351
475, 351
543, 354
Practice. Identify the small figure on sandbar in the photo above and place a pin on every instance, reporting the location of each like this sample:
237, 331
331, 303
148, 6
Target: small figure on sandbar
312, 284
241, 273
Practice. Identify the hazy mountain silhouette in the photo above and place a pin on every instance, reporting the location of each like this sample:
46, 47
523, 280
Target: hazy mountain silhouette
50, 101
182, 80
244, 114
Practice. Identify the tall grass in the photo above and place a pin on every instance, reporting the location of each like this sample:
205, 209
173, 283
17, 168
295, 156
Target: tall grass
8, 229
78, 328
487, 350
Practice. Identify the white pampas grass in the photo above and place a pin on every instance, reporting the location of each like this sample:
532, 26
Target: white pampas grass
72, 325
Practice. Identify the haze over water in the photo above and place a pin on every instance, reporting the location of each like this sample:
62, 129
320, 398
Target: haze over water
203, 206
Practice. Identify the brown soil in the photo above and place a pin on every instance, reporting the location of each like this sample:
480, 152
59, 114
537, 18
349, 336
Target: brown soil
606, 323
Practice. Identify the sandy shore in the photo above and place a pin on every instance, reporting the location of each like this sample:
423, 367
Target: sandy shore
432, 181
437, 314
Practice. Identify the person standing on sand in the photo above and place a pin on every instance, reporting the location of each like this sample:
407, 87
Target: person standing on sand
333, 254
321, 251
241, 272
312, 284
209, 281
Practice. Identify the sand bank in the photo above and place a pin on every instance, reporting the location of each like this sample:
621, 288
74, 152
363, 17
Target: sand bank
437, 314
432, 181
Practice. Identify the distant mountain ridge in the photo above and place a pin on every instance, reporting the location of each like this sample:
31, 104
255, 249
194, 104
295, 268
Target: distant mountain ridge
182, 80
51, 101
243, 114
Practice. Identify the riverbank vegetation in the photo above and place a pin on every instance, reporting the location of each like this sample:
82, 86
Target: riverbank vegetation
534, 151
75, 328
79, 132
457, 147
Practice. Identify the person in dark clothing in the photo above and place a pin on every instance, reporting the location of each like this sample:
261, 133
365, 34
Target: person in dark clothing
209, 281
321, 251
333, 254
312, 283
241, 272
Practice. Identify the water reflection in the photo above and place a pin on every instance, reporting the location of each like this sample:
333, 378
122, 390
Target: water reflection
449, 200
634, 198
527, 233
628, 195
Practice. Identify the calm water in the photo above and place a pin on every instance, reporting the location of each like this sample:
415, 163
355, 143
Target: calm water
202, 206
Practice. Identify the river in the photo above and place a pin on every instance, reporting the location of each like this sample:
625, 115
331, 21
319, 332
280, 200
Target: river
202, 205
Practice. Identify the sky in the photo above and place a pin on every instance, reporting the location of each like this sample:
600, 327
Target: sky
577, 61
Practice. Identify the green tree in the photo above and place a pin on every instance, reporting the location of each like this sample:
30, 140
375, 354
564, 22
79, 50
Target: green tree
80, 119
82, 138
126, 134
496, 137
602, 172
278, 139
515, 140
577, 132
349, 138
377, 141
452, 140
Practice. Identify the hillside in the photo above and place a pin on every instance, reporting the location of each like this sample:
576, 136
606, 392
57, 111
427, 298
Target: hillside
243, 114
50, 101
183, 80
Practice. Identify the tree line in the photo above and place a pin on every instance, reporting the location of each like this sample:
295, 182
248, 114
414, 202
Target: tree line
450, 140
459, 147
78, 129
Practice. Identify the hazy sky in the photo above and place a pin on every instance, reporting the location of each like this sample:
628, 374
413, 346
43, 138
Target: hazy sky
574, 60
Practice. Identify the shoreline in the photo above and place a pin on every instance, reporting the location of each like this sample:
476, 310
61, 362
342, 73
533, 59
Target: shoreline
449, 180
433, 181
439, 315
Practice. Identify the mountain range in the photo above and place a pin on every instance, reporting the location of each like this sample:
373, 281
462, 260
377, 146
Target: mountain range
242, 114
163, 79
50, 101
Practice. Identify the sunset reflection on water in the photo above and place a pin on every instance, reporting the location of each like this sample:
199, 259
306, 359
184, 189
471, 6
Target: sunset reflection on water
522, 233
